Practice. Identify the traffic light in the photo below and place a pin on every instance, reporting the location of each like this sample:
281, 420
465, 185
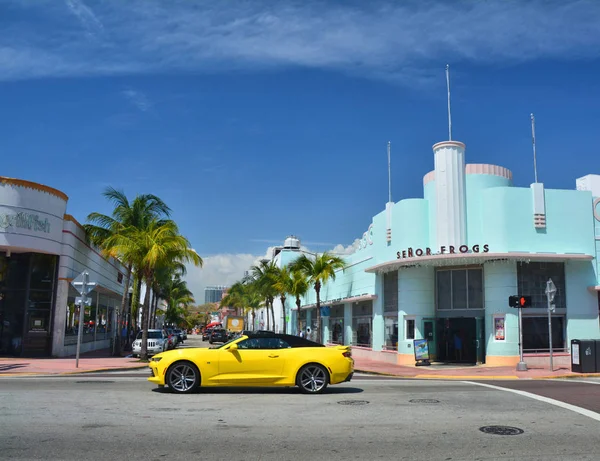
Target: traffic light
519, 301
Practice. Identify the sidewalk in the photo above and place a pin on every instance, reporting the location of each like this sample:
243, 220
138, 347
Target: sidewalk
88, 363
102, 361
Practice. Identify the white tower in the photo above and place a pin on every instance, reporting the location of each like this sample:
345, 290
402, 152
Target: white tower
450, 194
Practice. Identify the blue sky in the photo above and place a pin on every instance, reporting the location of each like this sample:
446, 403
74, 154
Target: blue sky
255, 120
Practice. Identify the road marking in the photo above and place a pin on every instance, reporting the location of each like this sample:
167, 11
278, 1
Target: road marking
558, 403
583, 381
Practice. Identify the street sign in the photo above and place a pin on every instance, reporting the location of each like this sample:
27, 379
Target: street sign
82, 284
550, 292
87, 301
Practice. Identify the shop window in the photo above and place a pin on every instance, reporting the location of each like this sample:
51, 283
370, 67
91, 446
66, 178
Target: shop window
390, 292
535, 334
42, 271
391, 332
336, 329
410, 329
362, 316
459, 289
532, 278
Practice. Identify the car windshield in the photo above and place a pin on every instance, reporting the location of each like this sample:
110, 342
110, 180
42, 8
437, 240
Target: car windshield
151, 335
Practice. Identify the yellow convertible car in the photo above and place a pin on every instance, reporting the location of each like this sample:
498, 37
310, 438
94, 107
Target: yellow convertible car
255, 359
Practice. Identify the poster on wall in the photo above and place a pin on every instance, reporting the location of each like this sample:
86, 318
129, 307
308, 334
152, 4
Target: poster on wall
499, 328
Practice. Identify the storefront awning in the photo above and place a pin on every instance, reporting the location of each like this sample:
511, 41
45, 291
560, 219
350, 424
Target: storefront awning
464, 259
350, 299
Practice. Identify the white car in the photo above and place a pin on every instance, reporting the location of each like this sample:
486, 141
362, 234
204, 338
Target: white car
157, 342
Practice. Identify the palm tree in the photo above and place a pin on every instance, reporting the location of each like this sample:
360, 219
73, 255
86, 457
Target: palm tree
283, 284
318, 272
157, 245
125, 214
298, 288
264, 276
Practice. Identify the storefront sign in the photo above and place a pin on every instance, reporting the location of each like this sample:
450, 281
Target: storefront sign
24, 220
421, 349
417, 252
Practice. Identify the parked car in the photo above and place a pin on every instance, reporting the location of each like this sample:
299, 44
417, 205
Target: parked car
218, 335
270, 359
179, 334
184, 333
206, 334
158, 341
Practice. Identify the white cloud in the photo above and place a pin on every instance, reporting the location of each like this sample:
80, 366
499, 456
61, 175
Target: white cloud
220, 269
340, 249
138, 99
404, 41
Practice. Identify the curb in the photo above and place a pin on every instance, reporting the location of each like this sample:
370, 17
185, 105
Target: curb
477, 378
66, 373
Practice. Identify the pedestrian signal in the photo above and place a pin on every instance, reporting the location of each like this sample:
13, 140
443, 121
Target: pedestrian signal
519, 301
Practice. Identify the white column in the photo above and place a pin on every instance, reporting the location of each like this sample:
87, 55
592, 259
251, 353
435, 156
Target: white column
450, 195
60, 318
348, 323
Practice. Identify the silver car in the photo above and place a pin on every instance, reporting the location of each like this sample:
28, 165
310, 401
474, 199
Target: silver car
157, 343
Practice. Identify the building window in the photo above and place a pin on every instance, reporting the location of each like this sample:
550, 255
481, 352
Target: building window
362, 317
391, 332
410, 329
459, 289
532, 278
390, 310
390, 292
535, 334
336, 325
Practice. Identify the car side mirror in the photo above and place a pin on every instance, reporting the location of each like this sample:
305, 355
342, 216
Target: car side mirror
233, 348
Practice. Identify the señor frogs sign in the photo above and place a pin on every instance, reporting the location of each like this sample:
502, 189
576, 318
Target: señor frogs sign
412, 252
24, 221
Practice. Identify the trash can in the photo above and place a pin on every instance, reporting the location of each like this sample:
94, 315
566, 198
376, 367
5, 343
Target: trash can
583, 355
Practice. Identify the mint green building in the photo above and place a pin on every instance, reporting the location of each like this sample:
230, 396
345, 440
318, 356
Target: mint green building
442, 267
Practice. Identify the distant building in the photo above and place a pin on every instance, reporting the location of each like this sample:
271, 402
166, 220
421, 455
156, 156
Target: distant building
214, 294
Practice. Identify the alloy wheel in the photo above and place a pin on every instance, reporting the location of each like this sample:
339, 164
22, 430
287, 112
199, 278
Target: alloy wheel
183, 378
313, 379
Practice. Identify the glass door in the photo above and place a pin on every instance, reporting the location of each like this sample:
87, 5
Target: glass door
429, 334
480, 339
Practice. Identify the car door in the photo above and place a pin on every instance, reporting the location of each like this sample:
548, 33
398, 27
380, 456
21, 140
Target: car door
256, 361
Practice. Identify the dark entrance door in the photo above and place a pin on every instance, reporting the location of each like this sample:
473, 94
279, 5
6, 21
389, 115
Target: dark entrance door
457, 340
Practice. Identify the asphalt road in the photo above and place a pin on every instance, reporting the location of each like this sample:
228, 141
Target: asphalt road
121, 416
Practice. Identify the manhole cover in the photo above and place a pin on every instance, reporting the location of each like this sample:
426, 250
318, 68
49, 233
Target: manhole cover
424, 401
94, 382
501, 430
353, 402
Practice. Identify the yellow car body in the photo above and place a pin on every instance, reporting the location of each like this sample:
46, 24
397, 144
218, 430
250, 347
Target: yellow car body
257, 361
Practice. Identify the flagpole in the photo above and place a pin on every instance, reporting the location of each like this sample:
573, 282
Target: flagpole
534, 152
449, 113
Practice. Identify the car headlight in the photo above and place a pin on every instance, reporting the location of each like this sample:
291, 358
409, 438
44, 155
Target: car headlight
155, 359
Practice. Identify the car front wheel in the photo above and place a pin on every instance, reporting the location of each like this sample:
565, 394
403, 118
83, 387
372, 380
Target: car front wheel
183, 377
312, 379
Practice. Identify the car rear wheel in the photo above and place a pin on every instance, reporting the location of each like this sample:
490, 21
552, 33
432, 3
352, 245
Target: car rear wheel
183, 377
312, 379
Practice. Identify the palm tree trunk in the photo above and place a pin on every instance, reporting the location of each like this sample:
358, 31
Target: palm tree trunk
272, 313
253, 319
268, 317
123, 314
318, 329
135, 301
282, 297
154, 310
145, 312
298, 315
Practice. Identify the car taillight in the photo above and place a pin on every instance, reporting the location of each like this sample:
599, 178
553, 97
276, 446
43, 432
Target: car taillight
347, 354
